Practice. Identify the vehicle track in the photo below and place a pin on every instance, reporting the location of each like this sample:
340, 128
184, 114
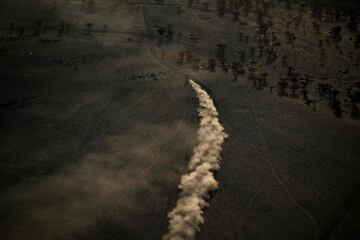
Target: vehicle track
275, 174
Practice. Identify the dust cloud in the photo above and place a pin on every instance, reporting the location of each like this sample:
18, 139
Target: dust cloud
121, 182
186, 217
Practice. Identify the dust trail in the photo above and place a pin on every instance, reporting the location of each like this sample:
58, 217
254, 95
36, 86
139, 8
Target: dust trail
185, 218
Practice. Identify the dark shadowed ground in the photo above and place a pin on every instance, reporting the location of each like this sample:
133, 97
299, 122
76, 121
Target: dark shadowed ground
97, 127
286, 172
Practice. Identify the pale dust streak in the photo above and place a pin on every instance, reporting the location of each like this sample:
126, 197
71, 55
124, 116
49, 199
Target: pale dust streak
186, 217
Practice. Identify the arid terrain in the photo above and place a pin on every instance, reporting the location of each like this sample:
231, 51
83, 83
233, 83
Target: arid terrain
98, 120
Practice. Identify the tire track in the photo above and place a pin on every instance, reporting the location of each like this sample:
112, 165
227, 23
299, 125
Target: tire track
275, 174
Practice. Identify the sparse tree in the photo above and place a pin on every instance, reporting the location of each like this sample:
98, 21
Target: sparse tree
353, 23
37, 30
282, 85
11, 28
90, 5
67, 28
212, 65
161, 31
89, 28
335, 34
21, 31
169, 33
206, 6
105, 29
235, 16
190, 3
354, 99
221, 8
